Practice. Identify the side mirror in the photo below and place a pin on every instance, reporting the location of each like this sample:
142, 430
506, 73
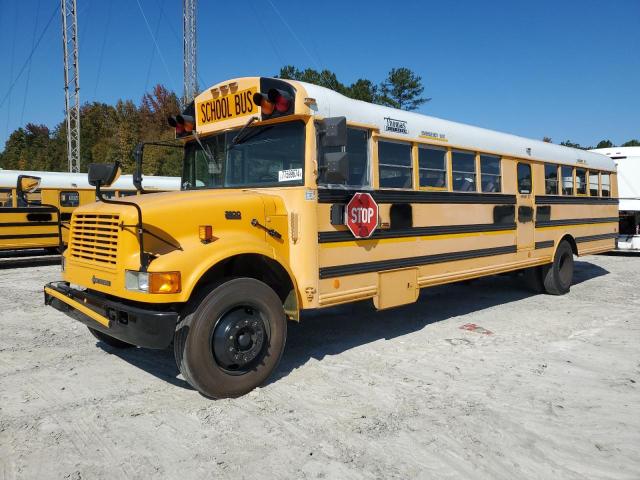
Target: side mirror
333, 132
103, 174
27, 184
336, 165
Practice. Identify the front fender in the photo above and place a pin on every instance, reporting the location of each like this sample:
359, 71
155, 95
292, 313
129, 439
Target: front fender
196, 259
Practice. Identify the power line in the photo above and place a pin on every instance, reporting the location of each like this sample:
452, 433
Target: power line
286, 24
13, 84
153, 51
104, 42
155, 43
26, 87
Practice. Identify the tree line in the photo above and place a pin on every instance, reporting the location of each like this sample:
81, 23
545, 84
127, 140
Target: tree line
111, 132
601, 144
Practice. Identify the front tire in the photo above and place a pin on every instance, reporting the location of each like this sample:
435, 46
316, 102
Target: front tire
233, 339
558, 277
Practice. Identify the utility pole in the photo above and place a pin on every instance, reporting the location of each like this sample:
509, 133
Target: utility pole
189, 55
71, 81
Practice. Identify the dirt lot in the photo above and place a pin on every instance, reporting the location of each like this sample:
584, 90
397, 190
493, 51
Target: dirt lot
553, 392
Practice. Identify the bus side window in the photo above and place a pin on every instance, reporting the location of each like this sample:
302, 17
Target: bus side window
463, 167
567, 180
432, 165
69, 199
524, 178
358, 156
593, 183
581, 181
551, 179
490, 173
395, 165
6, 200
606, 184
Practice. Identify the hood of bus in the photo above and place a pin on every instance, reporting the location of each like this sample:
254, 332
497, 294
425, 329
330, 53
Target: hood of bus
172, 222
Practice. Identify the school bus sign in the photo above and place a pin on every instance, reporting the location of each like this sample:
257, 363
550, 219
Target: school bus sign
225, 107
362, 215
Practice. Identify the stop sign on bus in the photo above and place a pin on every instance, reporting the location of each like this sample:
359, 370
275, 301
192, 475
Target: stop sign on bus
362, 215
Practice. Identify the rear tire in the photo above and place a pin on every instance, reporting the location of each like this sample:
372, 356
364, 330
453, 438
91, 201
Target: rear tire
233, 340
559, 275
112, 342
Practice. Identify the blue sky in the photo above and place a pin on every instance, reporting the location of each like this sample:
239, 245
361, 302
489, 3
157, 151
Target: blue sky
567, 69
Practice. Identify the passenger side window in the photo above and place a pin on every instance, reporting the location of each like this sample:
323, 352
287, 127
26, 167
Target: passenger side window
551, 180
567, 180
358, 156
394, 160
463, 169
524, 178
432, 163
490, 174
581, 181
606, 184
593, 184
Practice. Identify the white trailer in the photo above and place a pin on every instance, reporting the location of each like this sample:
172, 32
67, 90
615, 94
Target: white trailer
627, 160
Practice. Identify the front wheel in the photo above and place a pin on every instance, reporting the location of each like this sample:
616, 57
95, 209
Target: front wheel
558, 276
233, 339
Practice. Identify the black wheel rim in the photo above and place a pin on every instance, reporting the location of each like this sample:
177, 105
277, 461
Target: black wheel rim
565, 268
239, 339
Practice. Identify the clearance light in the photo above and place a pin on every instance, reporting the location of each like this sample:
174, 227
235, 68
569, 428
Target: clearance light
280, 99
205, 233
152, 282
263, 100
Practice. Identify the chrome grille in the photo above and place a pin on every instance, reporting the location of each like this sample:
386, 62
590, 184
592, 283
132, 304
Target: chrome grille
94, 238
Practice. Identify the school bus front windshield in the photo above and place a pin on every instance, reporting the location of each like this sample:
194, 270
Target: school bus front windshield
262, 156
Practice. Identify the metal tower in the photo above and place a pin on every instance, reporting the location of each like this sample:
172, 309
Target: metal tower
189, 47
71, 81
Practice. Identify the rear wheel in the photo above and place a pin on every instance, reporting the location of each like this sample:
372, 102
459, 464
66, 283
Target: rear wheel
233, 340
112, 342
559, 275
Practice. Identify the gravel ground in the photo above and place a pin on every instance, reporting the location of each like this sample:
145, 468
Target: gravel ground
547, 388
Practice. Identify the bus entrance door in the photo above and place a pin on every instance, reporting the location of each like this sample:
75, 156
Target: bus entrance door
525, 207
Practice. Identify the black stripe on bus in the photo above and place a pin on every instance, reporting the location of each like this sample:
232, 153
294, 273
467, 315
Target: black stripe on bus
28, 224
576, 221
544, 244
594, 238
29, 235
27, 210
346, 235
413, 196
571, 200
366, 267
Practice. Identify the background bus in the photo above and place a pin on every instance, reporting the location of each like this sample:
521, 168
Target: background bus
627, 159
35, 226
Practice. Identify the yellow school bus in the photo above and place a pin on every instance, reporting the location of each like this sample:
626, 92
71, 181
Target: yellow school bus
33, 223
295, 197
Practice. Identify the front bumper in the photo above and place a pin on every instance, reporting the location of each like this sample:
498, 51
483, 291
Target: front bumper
138, 326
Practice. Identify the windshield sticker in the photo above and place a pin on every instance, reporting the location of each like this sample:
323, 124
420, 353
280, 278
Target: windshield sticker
290, 175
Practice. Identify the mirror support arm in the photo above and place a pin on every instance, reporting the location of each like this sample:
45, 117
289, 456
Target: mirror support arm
144, 258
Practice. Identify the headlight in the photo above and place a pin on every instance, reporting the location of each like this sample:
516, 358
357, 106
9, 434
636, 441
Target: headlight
152, 282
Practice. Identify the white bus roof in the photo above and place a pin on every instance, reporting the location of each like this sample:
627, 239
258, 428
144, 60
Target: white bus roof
416, 126
8, 179
627, 159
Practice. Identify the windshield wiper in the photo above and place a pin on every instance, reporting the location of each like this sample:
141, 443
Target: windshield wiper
239, 138
206, 151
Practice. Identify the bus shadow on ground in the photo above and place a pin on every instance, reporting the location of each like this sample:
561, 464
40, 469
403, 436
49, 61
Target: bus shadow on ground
335, 330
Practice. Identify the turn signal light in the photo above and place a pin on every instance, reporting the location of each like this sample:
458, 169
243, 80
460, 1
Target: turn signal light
184, 124
164, 282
